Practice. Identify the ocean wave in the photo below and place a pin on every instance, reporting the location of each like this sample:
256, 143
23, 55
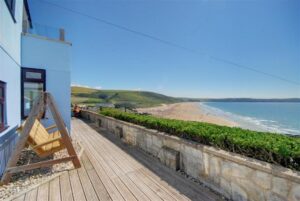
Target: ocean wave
251, 123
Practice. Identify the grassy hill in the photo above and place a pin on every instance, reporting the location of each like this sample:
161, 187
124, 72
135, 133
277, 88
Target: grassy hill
81, 95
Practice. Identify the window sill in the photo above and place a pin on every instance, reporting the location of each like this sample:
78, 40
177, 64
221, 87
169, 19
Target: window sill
3, 129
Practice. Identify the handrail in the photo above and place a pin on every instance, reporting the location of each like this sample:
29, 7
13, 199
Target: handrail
45, 31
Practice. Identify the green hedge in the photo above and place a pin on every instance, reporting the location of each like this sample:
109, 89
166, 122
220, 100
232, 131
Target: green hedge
269, 147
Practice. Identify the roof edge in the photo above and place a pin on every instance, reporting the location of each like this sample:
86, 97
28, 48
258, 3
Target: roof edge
28, 12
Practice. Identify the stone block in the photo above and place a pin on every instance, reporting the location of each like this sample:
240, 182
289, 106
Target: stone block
119, 132
225, 186
169, 157
157, 144
240, 171
238, 194
141, 141
206, 164
253, 191
275, 197
173, 144
214, 169
263, 180
294, 194
191, 161
226, 170
280, 186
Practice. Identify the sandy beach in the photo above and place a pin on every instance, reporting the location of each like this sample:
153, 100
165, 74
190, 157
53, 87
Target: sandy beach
187, 111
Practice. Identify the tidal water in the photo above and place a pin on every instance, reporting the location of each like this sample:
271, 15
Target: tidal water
261, 116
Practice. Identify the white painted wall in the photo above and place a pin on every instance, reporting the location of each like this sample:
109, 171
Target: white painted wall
37, 53
10, 55
10, 32
10, 47
54, 57
10, 73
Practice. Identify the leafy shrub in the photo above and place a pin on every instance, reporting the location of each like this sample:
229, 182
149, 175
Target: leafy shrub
270, 147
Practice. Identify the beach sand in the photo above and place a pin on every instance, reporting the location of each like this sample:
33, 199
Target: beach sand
187, 111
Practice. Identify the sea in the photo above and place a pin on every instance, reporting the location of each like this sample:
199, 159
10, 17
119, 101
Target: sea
278, 117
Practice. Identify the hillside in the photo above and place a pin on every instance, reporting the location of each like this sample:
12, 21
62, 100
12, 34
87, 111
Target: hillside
81, 95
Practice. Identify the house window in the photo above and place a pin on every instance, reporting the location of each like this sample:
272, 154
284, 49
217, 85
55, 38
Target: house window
11, 7
33, 83
2, 105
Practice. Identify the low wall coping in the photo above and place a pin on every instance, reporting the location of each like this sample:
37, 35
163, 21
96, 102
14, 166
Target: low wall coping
275, 170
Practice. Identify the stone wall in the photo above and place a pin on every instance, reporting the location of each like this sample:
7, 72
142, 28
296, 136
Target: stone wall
235, 176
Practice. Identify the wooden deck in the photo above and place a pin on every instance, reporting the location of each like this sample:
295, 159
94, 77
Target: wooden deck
113, 171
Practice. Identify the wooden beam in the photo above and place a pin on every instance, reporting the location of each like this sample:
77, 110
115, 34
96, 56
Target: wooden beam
62, 129
45, 143
37, 109
51, 127
47, 163
36, 113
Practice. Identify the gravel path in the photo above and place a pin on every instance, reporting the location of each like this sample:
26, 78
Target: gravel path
25, 180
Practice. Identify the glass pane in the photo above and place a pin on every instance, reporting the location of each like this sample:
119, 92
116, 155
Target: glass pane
33, 75
31, 92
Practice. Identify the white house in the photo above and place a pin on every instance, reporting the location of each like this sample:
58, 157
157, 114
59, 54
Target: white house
30, 62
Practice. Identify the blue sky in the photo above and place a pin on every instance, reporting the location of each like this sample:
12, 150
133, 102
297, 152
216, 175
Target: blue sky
264, 35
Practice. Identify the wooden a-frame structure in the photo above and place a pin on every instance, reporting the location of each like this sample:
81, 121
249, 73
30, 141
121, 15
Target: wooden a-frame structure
45, 99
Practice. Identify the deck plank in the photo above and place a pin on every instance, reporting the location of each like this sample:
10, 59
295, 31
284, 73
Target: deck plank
43, 192
65, 187
88, 188
110, 187
97, 183
77, 189
54, 190
20, 198
111, 156
133, 185
31, 195
126, 194
124, 161
116, 173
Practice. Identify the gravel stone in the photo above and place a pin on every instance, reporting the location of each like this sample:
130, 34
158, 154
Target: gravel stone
24, 180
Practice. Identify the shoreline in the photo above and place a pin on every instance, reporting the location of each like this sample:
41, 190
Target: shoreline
188, 111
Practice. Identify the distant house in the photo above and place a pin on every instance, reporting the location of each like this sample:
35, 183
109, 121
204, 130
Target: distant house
109, 105
33, 58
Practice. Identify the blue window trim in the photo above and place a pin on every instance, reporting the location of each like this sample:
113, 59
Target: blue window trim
24, 79
3, 125
11, 10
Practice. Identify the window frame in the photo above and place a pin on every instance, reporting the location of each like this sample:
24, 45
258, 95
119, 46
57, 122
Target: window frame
3, 125
11, 9
24, 70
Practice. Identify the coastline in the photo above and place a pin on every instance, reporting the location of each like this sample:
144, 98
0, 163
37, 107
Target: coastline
188, 111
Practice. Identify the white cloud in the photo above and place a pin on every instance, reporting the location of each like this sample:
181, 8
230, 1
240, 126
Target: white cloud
85, 86
98, 87
137, 89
